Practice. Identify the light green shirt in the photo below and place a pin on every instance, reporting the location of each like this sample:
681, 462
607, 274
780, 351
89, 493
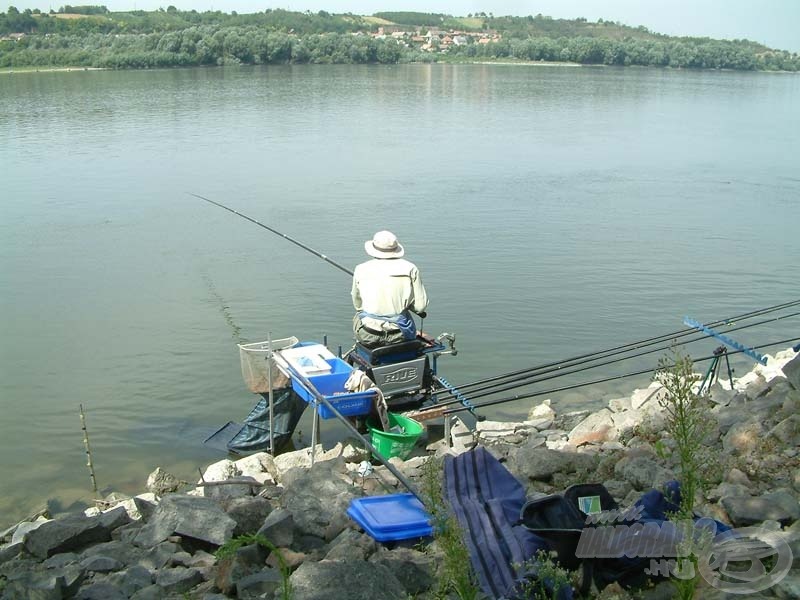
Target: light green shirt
387, 287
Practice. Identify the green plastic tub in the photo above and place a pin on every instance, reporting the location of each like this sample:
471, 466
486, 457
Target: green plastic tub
390, 444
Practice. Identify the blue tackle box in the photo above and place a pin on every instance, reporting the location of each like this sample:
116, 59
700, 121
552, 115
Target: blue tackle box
331, 385
391, 517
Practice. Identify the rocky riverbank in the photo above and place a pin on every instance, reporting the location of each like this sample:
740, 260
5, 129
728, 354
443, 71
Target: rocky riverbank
165, 543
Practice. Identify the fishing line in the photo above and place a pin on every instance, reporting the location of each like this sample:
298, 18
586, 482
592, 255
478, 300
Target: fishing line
225, 310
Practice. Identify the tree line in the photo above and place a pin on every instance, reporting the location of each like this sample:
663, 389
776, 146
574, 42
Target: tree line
172, 38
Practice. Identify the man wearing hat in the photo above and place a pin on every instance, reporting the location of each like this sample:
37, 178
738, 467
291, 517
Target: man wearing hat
385, 291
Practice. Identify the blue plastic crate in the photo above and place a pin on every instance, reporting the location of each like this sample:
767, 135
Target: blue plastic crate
392, 517
331, 385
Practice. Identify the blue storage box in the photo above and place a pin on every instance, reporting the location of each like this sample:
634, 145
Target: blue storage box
331, 385
391, 517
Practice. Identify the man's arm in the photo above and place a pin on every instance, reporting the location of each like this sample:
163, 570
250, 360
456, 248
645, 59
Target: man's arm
420, 296
356, 295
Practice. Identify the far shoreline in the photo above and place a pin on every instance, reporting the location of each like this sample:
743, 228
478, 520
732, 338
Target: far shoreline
505, 63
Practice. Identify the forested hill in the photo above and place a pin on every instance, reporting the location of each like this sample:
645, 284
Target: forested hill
92, 36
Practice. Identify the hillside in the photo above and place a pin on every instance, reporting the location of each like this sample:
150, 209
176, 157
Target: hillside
92, 36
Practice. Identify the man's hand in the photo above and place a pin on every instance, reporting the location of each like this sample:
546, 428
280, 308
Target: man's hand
422, 314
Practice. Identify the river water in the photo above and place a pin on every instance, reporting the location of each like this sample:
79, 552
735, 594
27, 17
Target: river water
553, 211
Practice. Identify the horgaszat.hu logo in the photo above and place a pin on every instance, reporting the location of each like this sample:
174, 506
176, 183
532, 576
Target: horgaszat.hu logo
737, 561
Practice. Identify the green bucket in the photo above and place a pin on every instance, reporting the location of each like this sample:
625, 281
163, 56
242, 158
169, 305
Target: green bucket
390, 444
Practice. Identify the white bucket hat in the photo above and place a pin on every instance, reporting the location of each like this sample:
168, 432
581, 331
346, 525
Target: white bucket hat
384, 244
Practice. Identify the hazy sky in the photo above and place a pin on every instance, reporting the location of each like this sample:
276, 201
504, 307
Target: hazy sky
775, 23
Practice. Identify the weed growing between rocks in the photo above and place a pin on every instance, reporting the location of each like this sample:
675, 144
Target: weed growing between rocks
456, 571
230, 547
688, 424
548, 578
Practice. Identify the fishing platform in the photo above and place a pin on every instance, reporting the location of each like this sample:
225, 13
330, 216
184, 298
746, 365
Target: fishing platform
291, 375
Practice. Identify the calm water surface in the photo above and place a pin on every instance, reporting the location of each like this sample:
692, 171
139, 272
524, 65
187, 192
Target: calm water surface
552, 211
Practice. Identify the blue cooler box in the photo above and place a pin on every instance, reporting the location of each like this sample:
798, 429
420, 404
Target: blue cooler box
331, 385
392, 517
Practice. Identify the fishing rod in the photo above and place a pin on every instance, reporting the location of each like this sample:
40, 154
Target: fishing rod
505, 386
529, 372
278, 233
439, 413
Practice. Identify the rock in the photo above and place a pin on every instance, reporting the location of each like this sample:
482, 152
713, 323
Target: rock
221, 471
248, 513
461, 436
262, 584
721, 395
278, 528
101, 590
415, 570
786, 500
131, 580
351, 545
62, 535
318, 500
746, 510
177, 580
22, 529
787, 431
291, 460
540, 424
597, 427
642, 472
245, 561
336, 580
788, 588
569, 420
791, 371
159, 482
742, 438
193, 517
738, 477
288, 558
259, 466
617, 405
648, 396
541, 463
10, 551
542, 411
728, 490
101, 564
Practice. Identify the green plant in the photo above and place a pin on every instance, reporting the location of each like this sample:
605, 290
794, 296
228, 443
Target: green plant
456, 573
549, 578
230, 547
688, 424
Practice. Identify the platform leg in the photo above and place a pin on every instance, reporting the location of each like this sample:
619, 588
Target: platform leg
314, 433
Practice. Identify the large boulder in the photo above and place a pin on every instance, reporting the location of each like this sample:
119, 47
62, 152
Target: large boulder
345, 580
318, 499
194, 517
63, 535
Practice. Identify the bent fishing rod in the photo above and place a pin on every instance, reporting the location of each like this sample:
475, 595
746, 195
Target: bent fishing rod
630, 347
436, 411
529, 377
464, 401
278, 233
